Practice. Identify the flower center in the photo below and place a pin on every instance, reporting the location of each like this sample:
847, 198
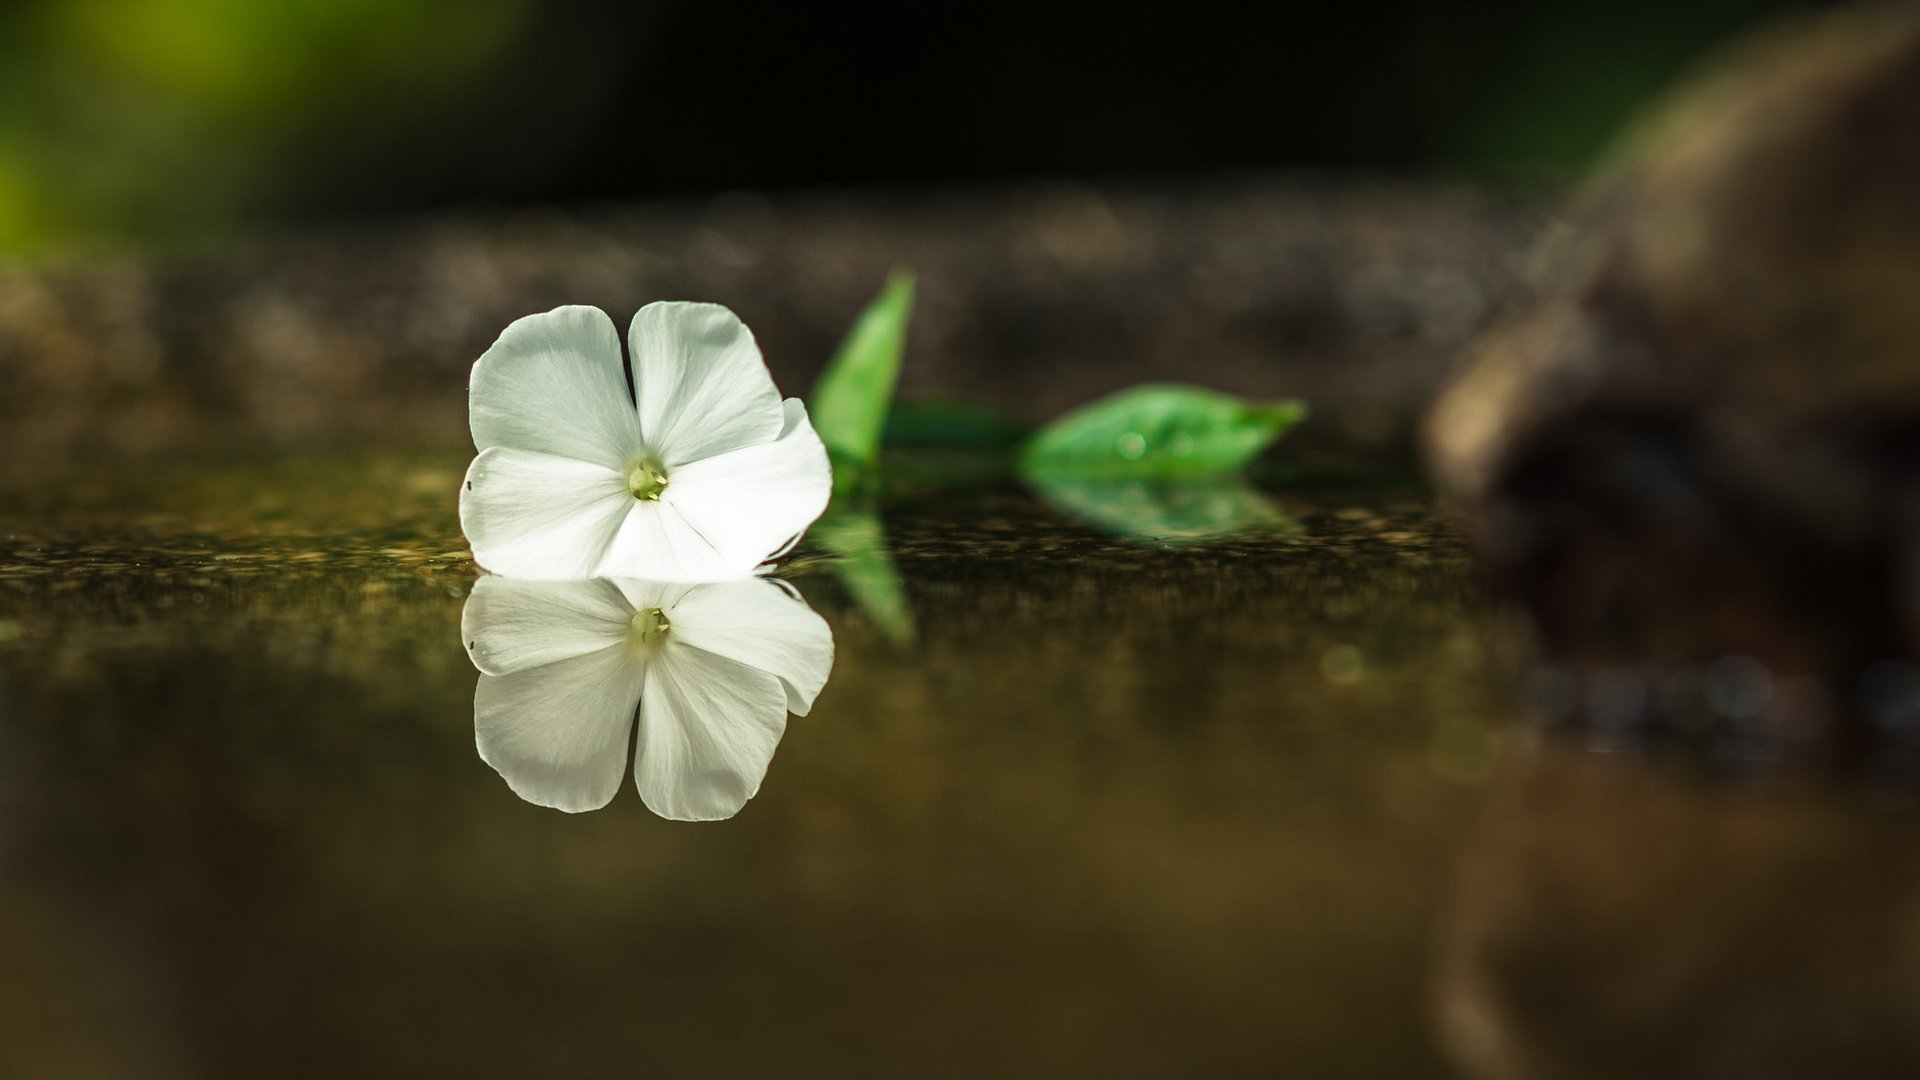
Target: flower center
649, 628
646, 480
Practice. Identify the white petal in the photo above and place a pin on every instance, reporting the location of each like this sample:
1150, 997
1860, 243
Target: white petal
708, 729
757, 623
749, 503
657, 542
651, 594
558, 733
701, 385
555, 383
540, 517
510, 625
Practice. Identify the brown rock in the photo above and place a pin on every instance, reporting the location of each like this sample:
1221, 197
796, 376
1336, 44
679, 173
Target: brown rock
1705, 439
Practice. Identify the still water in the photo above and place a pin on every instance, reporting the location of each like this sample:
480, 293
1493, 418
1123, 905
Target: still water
1114, 783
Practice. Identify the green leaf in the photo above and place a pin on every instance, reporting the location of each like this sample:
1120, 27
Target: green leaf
1161, 429
850, 400
1169, 513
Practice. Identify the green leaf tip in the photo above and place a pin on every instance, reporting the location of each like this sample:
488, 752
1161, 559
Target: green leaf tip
850, 400
1159, 430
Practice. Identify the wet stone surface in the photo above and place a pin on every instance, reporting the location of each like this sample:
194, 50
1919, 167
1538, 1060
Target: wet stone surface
1105, 797
1077, 799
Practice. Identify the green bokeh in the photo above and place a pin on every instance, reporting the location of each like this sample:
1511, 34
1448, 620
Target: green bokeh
141, 117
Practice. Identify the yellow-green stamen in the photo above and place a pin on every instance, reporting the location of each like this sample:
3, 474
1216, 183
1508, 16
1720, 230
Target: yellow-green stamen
649, 627
645, 481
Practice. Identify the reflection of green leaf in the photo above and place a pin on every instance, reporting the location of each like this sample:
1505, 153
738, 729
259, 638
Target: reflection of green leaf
864, 563
850, 400
1175, 514
1161, 429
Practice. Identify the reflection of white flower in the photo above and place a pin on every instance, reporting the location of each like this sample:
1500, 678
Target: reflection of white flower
699, 476
713, 671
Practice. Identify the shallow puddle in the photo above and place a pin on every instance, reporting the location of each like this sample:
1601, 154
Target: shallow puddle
1077, 799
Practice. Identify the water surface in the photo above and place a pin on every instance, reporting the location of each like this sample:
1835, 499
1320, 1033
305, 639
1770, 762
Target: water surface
1073, 802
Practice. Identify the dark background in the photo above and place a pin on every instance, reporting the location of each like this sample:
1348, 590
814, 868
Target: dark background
151, 119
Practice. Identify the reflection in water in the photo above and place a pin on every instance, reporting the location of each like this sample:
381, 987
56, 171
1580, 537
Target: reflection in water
1615, 919
1169, 513
1216, 857
711, 670
864, 564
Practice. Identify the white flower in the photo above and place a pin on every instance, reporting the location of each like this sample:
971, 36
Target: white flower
700, 475
712, 671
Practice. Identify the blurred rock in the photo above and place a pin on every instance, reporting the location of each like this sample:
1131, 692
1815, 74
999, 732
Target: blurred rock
1703, 443
1034, 299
